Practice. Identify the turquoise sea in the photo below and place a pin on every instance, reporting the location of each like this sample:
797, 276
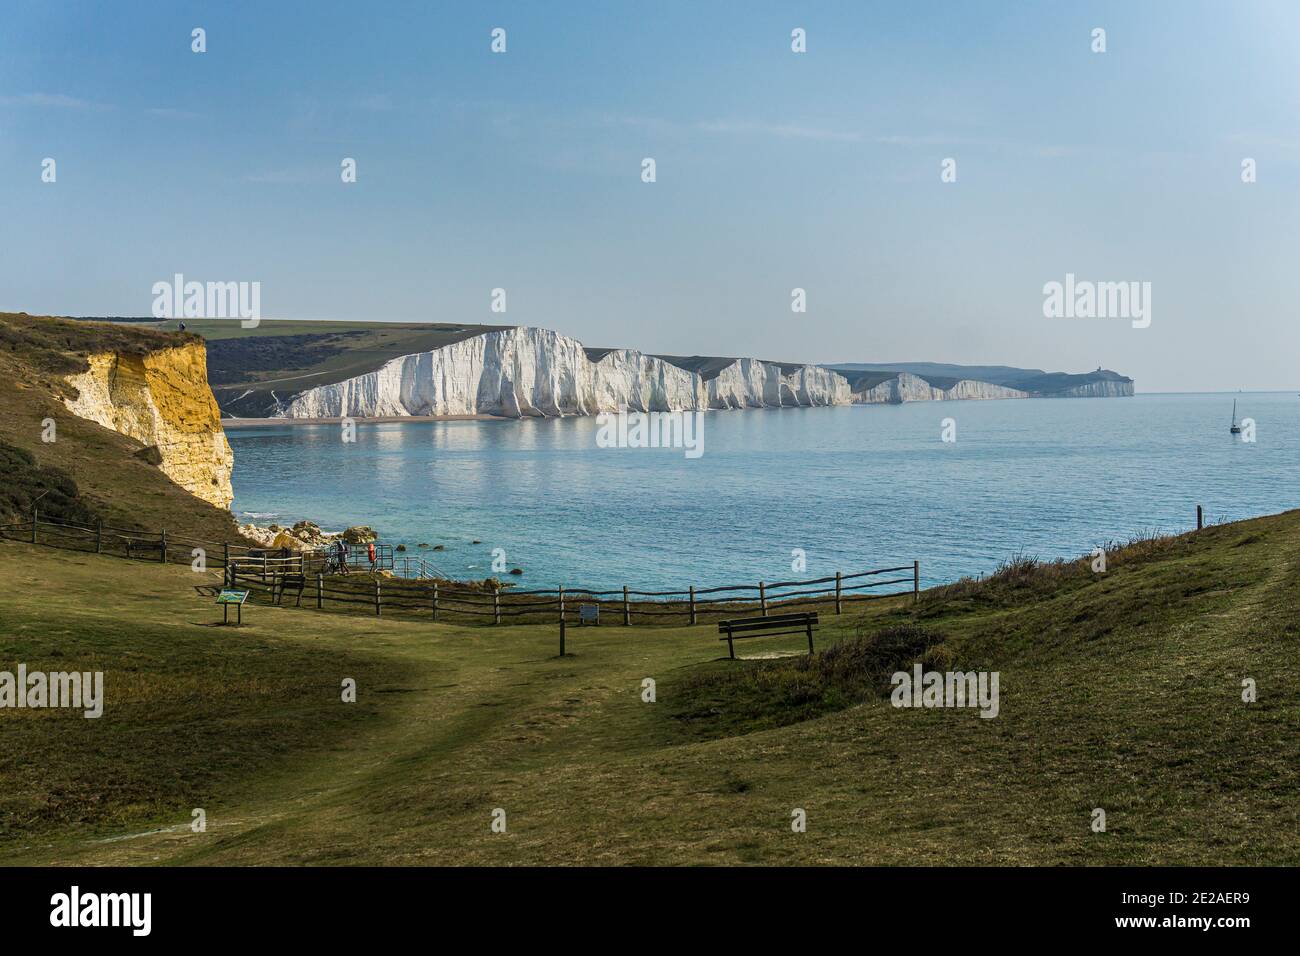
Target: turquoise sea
854, 487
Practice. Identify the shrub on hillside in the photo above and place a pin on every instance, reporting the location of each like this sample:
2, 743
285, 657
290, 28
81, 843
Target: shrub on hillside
25, 482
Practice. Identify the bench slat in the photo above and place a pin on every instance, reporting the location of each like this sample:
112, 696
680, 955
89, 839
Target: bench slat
790, 616
741, 637
765, 623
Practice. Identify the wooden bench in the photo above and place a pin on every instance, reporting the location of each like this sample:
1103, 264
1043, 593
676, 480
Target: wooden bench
774, 626
286, 582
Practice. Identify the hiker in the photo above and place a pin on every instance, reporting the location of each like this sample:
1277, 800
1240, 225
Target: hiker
341, 549
371, 552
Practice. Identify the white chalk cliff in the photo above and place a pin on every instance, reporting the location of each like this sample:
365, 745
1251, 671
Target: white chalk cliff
527, 372
749, 383
1104, 389
906, 387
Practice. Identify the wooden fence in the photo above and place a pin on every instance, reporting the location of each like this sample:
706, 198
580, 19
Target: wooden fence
304, 581
122, 542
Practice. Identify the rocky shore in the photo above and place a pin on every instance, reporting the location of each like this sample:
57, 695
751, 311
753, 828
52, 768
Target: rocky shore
304, 536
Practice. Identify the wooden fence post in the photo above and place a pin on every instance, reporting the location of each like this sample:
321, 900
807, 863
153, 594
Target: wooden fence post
99, 536
692, 604
916, 581
561, 593
162, 552
838, 590
378, 600
496, 607
1200, 518
320, 590
762, 597
627, 611
225, 554
435, 601
36, 517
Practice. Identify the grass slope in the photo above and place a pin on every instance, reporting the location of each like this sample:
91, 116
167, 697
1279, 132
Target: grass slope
1120, 691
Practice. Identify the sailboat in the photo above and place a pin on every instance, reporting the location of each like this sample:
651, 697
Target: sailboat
1235, 429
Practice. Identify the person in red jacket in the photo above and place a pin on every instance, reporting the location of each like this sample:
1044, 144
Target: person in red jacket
370, 550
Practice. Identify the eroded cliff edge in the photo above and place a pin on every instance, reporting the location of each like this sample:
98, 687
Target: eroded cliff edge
161, 399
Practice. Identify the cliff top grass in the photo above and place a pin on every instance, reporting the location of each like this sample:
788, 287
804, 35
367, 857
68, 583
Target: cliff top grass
88, 472
56, 346
1120, 691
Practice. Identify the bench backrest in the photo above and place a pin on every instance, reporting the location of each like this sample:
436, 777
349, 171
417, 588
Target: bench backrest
773, 622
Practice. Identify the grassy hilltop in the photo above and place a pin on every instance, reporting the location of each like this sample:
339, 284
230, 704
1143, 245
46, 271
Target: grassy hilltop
1120, 691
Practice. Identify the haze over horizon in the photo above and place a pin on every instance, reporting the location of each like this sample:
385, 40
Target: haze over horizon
775, 170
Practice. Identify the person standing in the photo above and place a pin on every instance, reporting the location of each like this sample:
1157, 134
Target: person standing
370, 549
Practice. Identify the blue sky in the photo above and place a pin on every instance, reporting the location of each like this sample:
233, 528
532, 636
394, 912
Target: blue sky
775, 170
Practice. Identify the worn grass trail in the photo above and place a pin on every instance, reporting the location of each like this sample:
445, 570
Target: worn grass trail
1119, 691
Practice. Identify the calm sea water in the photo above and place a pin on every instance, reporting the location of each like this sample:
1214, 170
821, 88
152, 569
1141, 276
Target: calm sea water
854, 487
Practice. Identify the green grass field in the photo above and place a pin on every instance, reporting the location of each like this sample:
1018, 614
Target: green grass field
1120, 691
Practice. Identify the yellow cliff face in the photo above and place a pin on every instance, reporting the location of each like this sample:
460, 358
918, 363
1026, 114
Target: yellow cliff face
162, 399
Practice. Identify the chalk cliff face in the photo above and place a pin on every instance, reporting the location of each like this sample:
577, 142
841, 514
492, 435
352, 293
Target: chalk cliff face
641, 383
745, 383
506, 373
749, 383
1110, 389
162, 399
811, 385
524, 372
968, 389
907, 387
904, 388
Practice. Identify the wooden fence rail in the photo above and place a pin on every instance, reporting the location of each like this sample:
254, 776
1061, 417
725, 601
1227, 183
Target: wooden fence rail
272, 577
